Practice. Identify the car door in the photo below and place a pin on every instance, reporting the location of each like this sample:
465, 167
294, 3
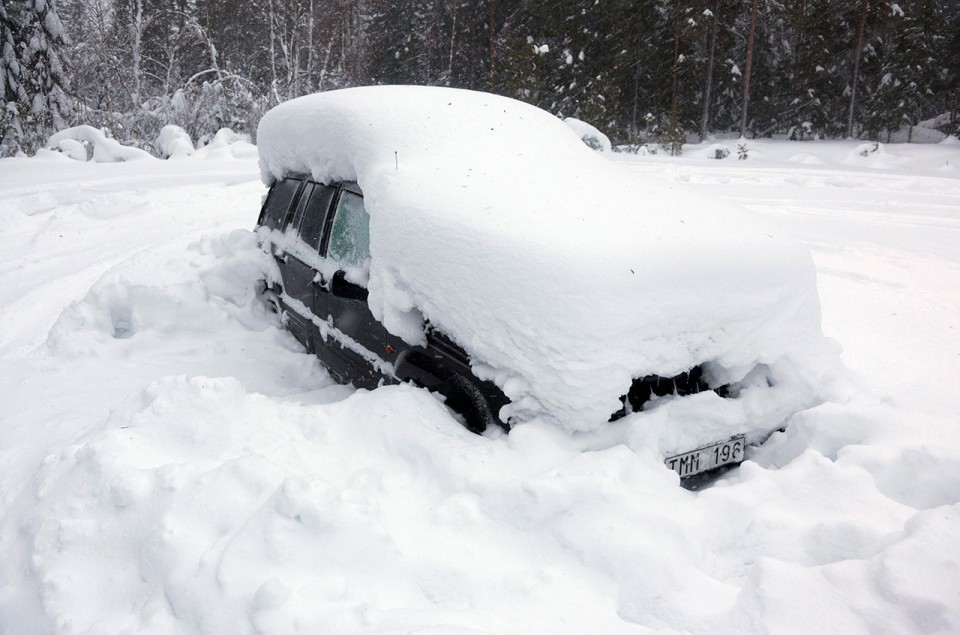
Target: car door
357, 346
300, 259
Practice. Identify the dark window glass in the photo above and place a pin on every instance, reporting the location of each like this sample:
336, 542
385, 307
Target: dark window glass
311, 224
301, 205
350, 236
278, 202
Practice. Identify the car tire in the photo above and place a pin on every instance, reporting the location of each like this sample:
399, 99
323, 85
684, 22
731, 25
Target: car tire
270, 300
466, 399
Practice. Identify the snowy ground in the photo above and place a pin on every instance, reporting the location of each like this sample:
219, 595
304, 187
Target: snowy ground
172, 463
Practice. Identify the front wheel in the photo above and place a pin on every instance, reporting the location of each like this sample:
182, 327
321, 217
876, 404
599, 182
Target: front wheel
466, 399
270, 300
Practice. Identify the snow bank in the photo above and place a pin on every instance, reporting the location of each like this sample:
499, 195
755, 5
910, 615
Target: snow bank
589, 135
173, 142
105, 150
563, 276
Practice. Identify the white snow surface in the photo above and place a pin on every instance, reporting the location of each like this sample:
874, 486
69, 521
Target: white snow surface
564, 276
173, 463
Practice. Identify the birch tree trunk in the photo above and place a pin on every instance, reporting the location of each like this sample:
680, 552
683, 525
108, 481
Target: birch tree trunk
137, 53
453, 35
273, 54
310, 56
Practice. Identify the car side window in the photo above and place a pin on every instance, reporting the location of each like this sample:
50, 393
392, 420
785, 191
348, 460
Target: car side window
278, 202
314, 213
350, 236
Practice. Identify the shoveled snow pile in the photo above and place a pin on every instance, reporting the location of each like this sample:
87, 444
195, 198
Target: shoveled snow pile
563, 276
173, 463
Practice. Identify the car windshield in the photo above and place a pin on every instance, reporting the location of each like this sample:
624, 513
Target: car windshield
350, 237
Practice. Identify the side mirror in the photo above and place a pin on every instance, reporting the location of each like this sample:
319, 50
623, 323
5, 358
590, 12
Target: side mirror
343, 288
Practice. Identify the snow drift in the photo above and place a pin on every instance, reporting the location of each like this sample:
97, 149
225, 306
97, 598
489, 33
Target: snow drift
203, 476
561, 275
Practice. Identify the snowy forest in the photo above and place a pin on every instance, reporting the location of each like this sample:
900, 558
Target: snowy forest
635, 69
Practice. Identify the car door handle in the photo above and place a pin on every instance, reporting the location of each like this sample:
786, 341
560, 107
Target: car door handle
322, 283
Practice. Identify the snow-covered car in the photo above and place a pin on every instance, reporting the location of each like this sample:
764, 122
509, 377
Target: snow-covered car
473, 245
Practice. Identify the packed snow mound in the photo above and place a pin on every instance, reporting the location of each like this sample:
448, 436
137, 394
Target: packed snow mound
589, 135
105, 150
561, 274
173, 142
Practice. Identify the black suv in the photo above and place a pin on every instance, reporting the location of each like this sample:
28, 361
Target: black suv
319, 236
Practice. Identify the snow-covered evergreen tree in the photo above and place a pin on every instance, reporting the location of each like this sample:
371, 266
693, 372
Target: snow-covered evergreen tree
35, 83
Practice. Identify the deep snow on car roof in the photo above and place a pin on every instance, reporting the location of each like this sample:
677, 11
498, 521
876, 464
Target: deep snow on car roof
562, 274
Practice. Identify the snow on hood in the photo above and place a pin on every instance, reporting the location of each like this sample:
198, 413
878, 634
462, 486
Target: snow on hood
561, 274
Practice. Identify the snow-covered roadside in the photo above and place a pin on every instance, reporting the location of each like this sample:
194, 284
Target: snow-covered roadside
172, 463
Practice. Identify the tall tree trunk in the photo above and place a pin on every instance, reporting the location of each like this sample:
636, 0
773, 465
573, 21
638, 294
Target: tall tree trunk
864, 6
273, 55
801, 19
492, 7
453, 36
634, 127
746, 73
311, 86
708, 84
137, 53
674, 98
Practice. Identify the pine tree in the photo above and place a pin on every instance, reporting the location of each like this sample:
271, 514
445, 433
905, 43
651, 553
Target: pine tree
566, 58
35, 83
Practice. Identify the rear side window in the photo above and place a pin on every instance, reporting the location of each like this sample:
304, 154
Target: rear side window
278, 202
313, 212
350, 236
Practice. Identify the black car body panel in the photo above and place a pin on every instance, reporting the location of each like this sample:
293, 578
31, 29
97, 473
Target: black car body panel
328, 312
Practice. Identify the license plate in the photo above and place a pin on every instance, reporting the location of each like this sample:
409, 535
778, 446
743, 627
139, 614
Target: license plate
708, 457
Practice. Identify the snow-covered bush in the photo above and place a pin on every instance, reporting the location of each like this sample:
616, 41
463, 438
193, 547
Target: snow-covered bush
717, 151
173, 142
226, 143
76, 150
105, 150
